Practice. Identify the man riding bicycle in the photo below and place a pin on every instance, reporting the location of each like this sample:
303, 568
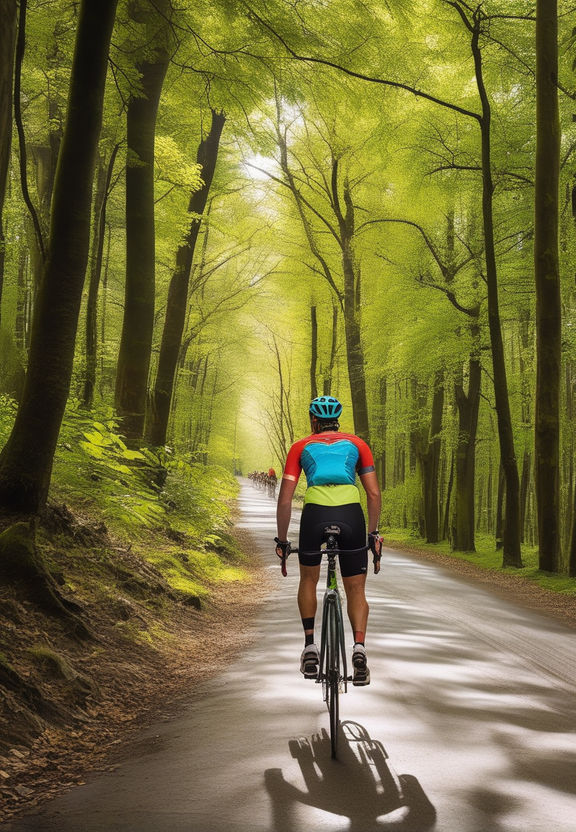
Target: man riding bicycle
331, 460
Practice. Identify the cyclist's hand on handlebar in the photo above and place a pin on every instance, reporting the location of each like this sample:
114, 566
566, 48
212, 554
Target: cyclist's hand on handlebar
375, 544
282, 550
282, 547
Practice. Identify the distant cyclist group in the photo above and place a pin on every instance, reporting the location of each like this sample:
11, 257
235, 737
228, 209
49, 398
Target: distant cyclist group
266, 480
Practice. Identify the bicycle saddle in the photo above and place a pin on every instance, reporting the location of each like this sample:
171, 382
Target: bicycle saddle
335, 530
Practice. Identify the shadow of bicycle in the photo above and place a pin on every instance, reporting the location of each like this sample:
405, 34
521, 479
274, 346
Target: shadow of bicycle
360, 786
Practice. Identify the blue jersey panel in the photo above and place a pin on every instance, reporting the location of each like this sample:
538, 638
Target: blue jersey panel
330, 464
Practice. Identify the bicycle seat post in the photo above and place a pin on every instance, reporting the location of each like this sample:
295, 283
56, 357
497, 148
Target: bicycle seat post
331, 534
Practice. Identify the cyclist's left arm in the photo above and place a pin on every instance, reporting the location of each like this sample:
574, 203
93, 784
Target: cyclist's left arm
373, 498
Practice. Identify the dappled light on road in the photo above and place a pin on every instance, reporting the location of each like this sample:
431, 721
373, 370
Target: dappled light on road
471, 703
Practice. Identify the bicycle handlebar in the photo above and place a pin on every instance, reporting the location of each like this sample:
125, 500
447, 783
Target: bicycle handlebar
283, 559
336, 551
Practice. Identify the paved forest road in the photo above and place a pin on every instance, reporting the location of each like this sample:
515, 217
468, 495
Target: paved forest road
472, 699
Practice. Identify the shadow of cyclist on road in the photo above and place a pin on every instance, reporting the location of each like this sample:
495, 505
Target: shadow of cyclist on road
360, 785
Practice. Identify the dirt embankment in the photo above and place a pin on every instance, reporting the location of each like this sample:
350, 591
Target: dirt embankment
512, 587
67, 701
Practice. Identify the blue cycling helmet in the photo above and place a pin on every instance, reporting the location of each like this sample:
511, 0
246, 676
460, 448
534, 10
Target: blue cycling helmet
325, 407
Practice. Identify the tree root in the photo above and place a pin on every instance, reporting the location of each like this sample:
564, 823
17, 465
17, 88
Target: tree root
30, 694
22, 564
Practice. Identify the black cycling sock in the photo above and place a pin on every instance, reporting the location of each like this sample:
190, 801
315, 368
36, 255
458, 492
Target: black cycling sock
308, 624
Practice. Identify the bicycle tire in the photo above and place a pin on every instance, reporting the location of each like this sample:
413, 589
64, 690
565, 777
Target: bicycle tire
333, 677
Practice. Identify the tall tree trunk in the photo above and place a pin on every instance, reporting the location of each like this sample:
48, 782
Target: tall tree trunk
468, 404
572, 551
511, 541
500, 499
418, 443
8, 10
138, 322
526, 340
431, 464
383, 433
27, 458
103, 314
446, 523
313, 352
157, 422
524, 488
547, 275
351, 296
20, 321
327, 383
99, 233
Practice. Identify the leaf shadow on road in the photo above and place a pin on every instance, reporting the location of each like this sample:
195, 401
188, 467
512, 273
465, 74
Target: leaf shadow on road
361, 786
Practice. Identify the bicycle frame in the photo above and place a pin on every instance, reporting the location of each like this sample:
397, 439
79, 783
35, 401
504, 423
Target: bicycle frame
333, 601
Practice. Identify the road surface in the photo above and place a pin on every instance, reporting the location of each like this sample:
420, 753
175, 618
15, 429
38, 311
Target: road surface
468, 725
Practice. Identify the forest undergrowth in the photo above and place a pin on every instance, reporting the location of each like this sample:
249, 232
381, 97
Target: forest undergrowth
139, 547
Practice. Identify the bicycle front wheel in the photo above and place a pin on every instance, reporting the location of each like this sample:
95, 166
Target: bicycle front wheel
333, 677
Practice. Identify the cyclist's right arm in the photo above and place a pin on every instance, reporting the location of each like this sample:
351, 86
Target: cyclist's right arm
284, 506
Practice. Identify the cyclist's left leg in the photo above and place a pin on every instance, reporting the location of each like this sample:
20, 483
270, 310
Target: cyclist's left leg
357, 605
358, 609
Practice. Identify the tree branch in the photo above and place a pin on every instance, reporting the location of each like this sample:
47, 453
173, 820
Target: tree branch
359, 75
20, 48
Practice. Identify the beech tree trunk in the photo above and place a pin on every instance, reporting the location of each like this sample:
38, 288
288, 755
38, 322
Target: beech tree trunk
27, 458
351, 296
511, 535
8, 15
99, 233
313, 352
327, 383
547, 276
157, 421
500, 500
139, 297
431, 464
383, 433
446, 524
463, 527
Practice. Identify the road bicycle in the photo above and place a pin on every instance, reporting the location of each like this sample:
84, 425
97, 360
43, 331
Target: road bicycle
332, 669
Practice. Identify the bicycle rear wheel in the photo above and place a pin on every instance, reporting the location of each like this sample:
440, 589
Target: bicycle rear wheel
333, 677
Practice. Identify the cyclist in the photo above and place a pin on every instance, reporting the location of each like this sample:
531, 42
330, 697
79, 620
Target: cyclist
331, 460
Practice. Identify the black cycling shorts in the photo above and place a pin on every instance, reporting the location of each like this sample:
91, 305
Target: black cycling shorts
350, 518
